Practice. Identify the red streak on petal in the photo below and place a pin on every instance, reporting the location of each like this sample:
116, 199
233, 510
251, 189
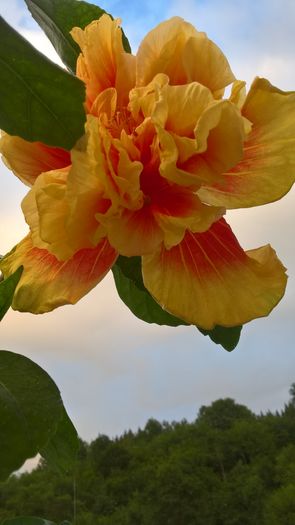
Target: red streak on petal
208, 252
88, 264
60, 157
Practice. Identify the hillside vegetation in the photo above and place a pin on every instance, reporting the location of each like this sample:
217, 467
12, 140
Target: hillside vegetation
228, 467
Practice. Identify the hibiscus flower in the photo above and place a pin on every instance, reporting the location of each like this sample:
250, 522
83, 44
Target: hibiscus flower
163, 156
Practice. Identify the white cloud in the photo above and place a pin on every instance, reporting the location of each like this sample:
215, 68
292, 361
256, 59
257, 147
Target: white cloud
40, 41
265, 47
13, 11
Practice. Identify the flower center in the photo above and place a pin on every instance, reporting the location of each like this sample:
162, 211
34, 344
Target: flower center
122, 120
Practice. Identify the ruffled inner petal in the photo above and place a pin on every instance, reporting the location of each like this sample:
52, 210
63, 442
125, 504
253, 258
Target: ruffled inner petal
267, 169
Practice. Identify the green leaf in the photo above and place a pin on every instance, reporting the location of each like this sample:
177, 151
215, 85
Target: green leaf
130, 287
57, 18
226, 337
61, 450
30, 410
29, 520
39, 101
7, 289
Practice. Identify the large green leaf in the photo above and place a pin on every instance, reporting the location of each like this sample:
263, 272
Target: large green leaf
57, 18
30, 410
130, 287
61, 450
29, 520
7, 289
39, 101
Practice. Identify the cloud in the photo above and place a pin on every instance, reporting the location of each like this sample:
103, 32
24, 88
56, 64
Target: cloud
40, 41
14, 12
266, 47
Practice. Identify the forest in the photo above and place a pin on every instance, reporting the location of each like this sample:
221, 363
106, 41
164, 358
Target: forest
228, 467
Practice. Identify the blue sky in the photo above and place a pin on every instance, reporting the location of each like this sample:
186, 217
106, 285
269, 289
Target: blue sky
114, 371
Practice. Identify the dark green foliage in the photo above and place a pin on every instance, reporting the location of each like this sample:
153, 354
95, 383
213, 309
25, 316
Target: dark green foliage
229, 467
31, 415
7, 289
39, 101
227, 337
131, 289
58, 18
61, 450
28, 521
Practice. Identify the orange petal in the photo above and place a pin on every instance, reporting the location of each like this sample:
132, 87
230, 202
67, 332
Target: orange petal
267, 170
135, 232
47, 283
209, 280
28, 159
177, 209
103, 62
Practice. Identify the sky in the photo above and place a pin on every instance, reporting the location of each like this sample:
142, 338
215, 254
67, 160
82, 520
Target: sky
113, 370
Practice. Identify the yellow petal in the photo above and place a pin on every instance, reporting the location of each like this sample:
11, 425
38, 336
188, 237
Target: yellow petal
28, 159
238, 93
105, 103
177, 209
134, 232
103, 62
219, 134
185, 105
45, 211
267, 170
47, 283
204, 62
209, 280
177, 49
161, 51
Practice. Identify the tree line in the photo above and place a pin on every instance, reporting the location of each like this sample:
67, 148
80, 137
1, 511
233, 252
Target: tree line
228, 467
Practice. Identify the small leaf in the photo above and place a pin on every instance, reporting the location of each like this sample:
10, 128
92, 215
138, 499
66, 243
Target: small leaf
30, 410
39, 101
61, 450
57, 18
226, 337
7, 289
29, 520
130, 287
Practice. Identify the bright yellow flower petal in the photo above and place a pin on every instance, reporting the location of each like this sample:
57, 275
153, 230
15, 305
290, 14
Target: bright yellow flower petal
47, 283
135, 232
177, 49
209, 280
45, 211
103, 62
238, 93
105, 104
219, 145
184, 106
28, 159
204, 62
267, 170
